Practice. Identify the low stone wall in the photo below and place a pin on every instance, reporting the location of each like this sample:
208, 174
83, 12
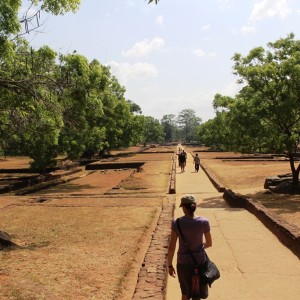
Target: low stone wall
212, 178
172, 185
114, 165
33, 182
152, 277
286, 233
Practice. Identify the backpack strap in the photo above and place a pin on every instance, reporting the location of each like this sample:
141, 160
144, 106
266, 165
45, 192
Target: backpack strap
190, 252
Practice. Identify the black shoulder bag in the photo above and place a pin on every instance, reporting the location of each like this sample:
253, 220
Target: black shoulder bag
207, 273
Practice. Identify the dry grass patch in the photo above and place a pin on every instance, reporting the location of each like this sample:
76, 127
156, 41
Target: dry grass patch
239, 175
153, 177
15, 162
287, 207
70, 252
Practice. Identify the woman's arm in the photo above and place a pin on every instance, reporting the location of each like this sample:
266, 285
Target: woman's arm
171, 251
208, 240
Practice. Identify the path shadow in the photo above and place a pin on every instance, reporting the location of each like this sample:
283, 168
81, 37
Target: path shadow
282, 203
213, 202
65, 188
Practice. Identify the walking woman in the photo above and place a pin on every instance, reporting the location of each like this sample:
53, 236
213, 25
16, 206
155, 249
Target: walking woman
196, 232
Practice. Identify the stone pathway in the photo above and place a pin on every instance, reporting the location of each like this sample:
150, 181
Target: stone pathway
252, 261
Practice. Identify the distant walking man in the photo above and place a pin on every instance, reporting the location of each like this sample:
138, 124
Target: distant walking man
182, 160
197, 162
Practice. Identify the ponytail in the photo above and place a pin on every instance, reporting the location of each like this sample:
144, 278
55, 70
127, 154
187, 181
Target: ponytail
191, 207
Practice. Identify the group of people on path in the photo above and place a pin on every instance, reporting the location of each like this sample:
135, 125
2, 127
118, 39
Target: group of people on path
182, 158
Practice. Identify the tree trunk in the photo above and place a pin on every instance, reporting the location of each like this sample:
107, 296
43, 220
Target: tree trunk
295, 171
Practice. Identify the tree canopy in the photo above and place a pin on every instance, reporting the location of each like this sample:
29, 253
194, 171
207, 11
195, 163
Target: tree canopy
265, 114
170, 127
182, 127
53, 104
188, 122
10, 24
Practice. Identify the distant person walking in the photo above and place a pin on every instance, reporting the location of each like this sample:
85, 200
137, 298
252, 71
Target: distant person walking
178, 154
196, 231
182, 160
196, 162
179, 150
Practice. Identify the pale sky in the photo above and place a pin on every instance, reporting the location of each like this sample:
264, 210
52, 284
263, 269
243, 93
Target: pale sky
175, 55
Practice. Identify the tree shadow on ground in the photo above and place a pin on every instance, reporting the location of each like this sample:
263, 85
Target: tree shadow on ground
213, 202
282, 203
67, 188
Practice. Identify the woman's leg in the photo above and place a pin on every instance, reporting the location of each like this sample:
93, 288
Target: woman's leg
184, 274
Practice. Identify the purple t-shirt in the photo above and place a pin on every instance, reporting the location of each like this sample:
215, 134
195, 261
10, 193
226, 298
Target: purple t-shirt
193, 231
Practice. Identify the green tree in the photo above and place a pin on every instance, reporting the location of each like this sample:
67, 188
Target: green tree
134, 108
118, 118
235, 127
9, 21
152, 130
72, 107
28, 86
97, 116
9, 44
10, 24
215, 133
82, 106
170, 127
188, 122
133, 131
29, 110
271, 80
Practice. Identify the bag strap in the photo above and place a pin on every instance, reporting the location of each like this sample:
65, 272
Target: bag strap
186, 244
190, 252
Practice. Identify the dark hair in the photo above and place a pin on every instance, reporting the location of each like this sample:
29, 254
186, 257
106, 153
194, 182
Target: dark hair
191, 207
